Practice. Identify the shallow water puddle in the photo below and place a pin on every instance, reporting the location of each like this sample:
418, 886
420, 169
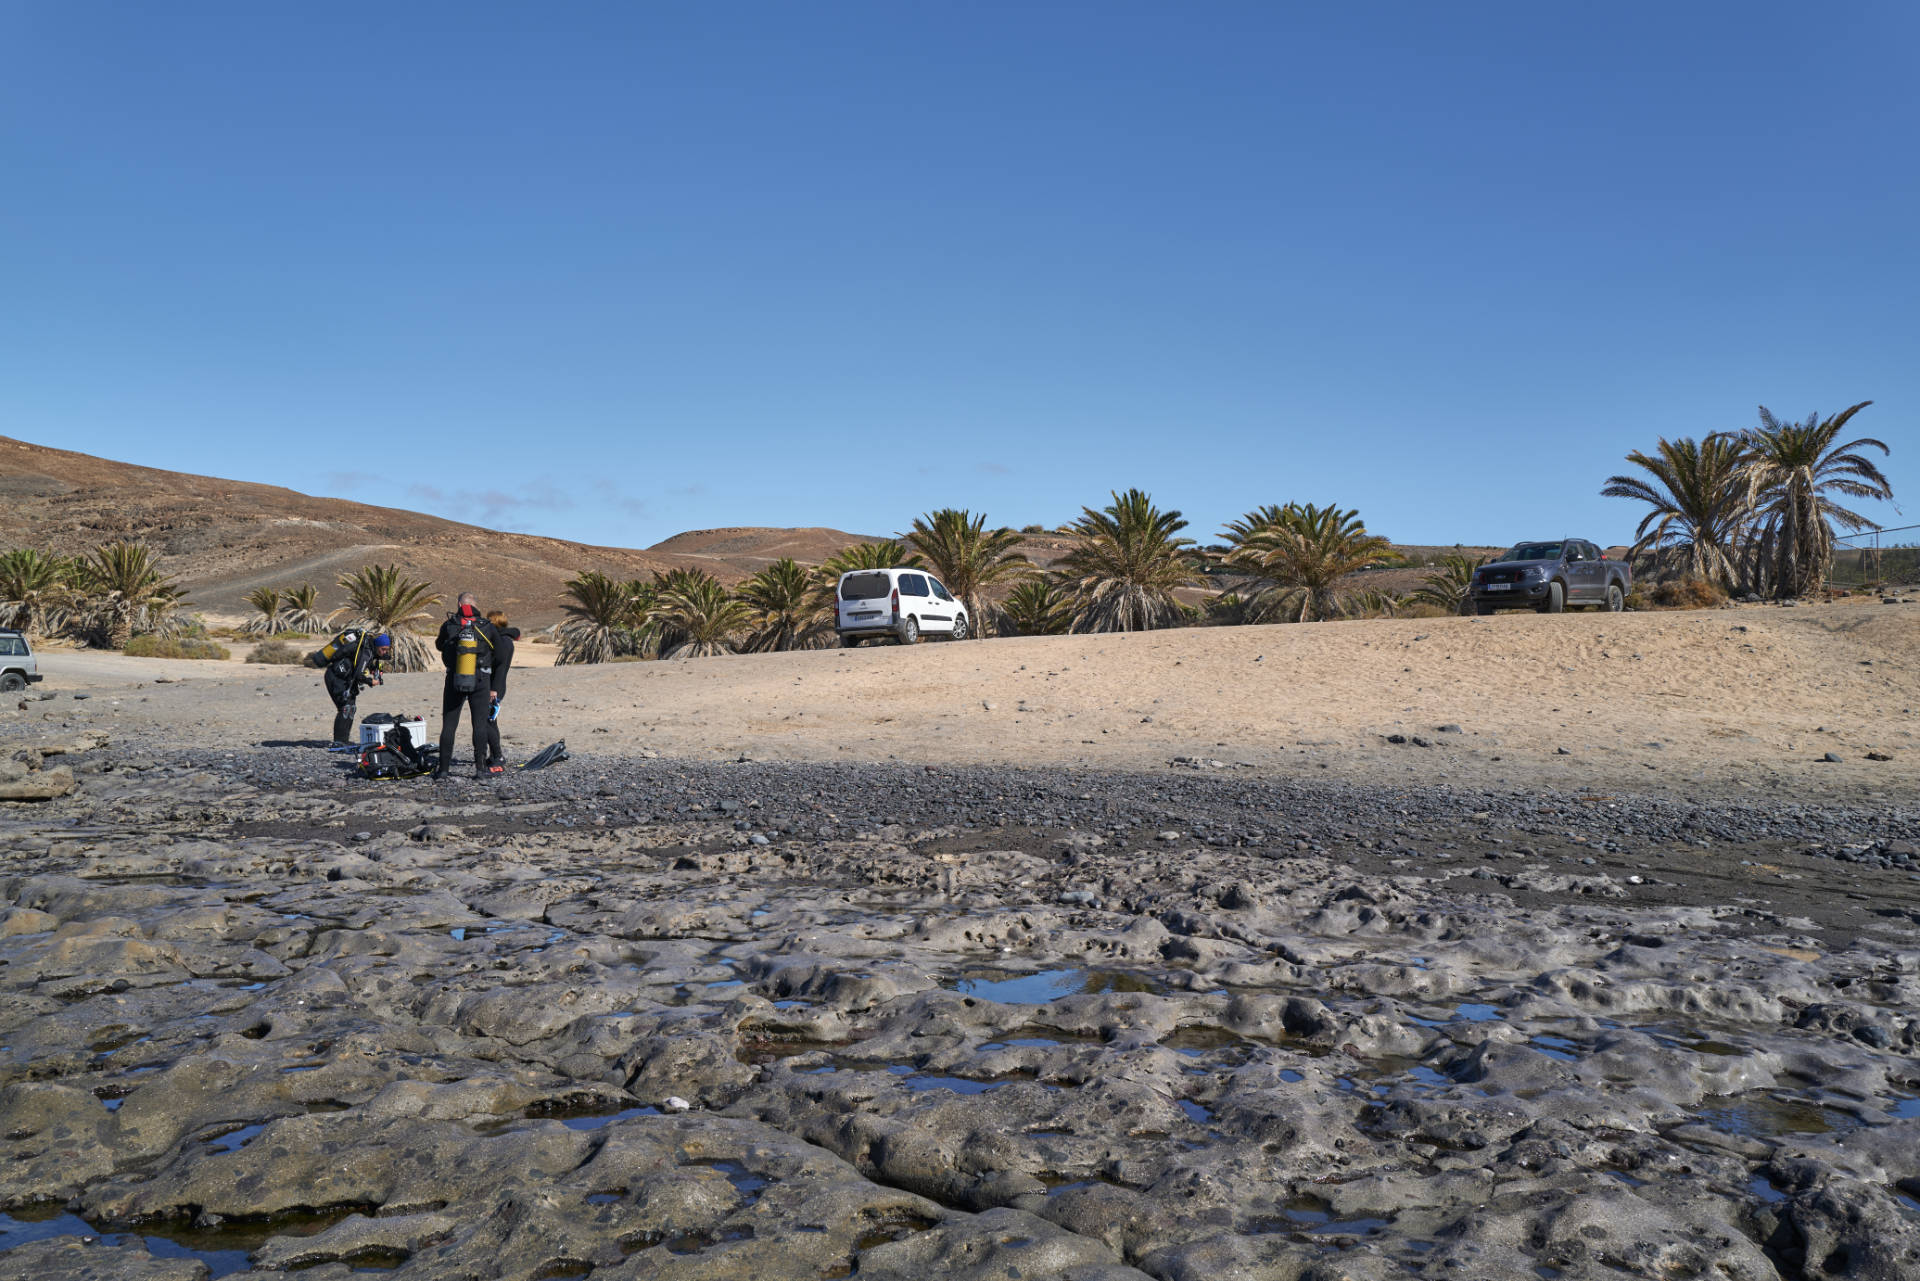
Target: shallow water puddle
225, 1249
1764, 1188
1477, 1012
1049, 985
1764, 1118
958, 1084
235, 1139
1905, 1109
744, 1181
605, 1119
1557, 1047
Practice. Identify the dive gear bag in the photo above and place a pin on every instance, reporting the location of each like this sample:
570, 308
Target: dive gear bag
396, 756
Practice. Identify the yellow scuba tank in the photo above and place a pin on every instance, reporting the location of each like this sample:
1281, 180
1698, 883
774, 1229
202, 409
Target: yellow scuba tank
336, 647
467, 665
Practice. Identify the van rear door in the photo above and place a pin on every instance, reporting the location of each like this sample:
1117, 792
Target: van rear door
866, 600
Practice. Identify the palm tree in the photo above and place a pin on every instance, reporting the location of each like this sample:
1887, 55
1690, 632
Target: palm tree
887, 553
1372, 603
1035, 607
1790, 469
1305, 552
1128, 562
968, 557
380, 598
266, 602
300, 611
1698, 497
35, 594
127, 592
601, 619
786, 607
703, 616
1450, 585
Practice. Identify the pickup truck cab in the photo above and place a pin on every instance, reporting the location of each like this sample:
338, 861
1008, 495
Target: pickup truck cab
18, 667
1551, 576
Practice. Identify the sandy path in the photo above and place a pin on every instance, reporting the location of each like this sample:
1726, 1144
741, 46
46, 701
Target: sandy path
1735, 700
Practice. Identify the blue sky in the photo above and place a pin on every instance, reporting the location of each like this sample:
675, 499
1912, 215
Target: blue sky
613, 271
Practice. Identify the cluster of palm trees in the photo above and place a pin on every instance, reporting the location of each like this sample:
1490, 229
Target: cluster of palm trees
102, 597
117, 591
1753, 511
1127, 563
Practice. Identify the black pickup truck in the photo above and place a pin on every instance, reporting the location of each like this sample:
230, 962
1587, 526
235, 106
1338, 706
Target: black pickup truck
1550, 577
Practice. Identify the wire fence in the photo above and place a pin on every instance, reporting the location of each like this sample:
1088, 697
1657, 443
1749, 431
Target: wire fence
1877, 556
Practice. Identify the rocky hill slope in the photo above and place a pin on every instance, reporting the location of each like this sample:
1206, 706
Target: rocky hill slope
223, 538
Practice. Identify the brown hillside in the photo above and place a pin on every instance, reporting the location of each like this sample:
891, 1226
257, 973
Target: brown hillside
222, 538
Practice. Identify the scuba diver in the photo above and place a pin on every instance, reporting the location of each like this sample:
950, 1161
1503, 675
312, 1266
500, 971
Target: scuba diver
352, 661
502, 664
469, 645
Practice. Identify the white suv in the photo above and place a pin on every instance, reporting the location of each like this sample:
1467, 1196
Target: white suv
18, 668
903, 604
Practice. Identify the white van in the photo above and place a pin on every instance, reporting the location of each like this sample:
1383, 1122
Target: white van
901, 604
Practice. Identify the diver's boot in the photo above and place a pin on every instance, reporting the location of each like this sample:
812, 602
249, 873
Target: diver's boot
439, 769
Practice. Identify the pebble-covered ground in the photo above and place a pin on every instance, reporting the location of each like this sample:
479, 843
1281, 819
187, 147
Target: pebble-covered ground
636, 1018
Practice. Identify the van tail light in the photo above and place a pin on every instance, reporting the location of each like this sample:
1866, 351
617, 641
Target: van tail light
896, 602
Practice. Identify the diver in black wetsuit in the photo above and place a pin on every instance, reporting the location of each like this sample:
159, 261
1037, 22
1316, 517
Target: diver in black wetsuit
468, 644
352, 661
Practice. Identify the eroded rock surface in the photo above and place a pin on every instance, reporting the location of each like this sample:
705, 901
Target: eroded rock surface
650, 1020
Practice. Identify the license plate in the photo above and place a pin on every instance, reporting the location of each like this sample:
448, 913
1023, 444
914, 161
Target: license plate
872, 613
1499, 587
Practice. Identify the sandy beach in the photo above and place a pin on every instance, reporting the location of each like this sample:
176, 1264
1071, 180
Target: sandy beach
1746, 700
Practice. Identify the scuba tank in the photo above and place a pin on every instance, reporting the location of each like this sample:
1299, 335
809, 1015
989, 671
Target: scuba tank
468, 670
339, 647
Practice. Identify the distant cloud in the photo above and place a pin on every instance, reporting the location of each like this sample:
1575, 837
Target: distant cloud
996, 469
346, 482
612, 497
489, 506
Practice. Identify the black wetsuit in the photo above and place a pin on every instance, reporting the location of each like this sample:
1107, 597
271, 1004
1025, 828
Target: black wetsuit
476, 700
502, 663
355, 665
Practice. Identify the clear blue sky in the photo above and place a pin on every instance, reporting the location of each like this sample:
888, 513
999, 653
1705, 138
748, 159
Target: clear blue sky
611, 271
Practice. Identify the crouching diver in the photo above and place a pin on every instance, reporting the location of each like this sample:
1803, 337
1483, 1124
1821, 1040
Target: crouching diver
352, 661
467, 644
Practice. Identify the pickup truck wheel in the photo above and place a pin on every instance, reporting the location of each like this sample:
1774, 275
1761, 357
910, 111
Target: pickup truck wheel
1556, 599
1616, 599
12, 683
1482, 609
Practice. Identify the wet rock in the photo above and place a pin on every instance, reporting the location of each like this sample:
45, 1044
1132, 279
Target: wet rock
45, 785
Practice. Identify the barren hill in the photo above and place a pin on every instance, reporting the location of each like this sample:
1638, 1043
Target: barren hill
222, 538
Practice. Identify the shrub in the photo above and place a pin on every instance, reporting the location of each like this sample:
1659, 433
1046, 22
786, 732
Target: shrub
153, 646
1679, 593
278, 652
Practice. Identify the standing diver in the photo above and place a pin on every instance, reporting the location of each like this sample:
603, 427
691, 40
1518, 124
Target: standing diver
468, 644
352, 661
502, 664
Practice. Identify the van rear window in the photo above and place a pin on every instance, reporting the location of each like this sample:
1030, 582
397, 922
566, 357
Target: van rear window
865, 586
